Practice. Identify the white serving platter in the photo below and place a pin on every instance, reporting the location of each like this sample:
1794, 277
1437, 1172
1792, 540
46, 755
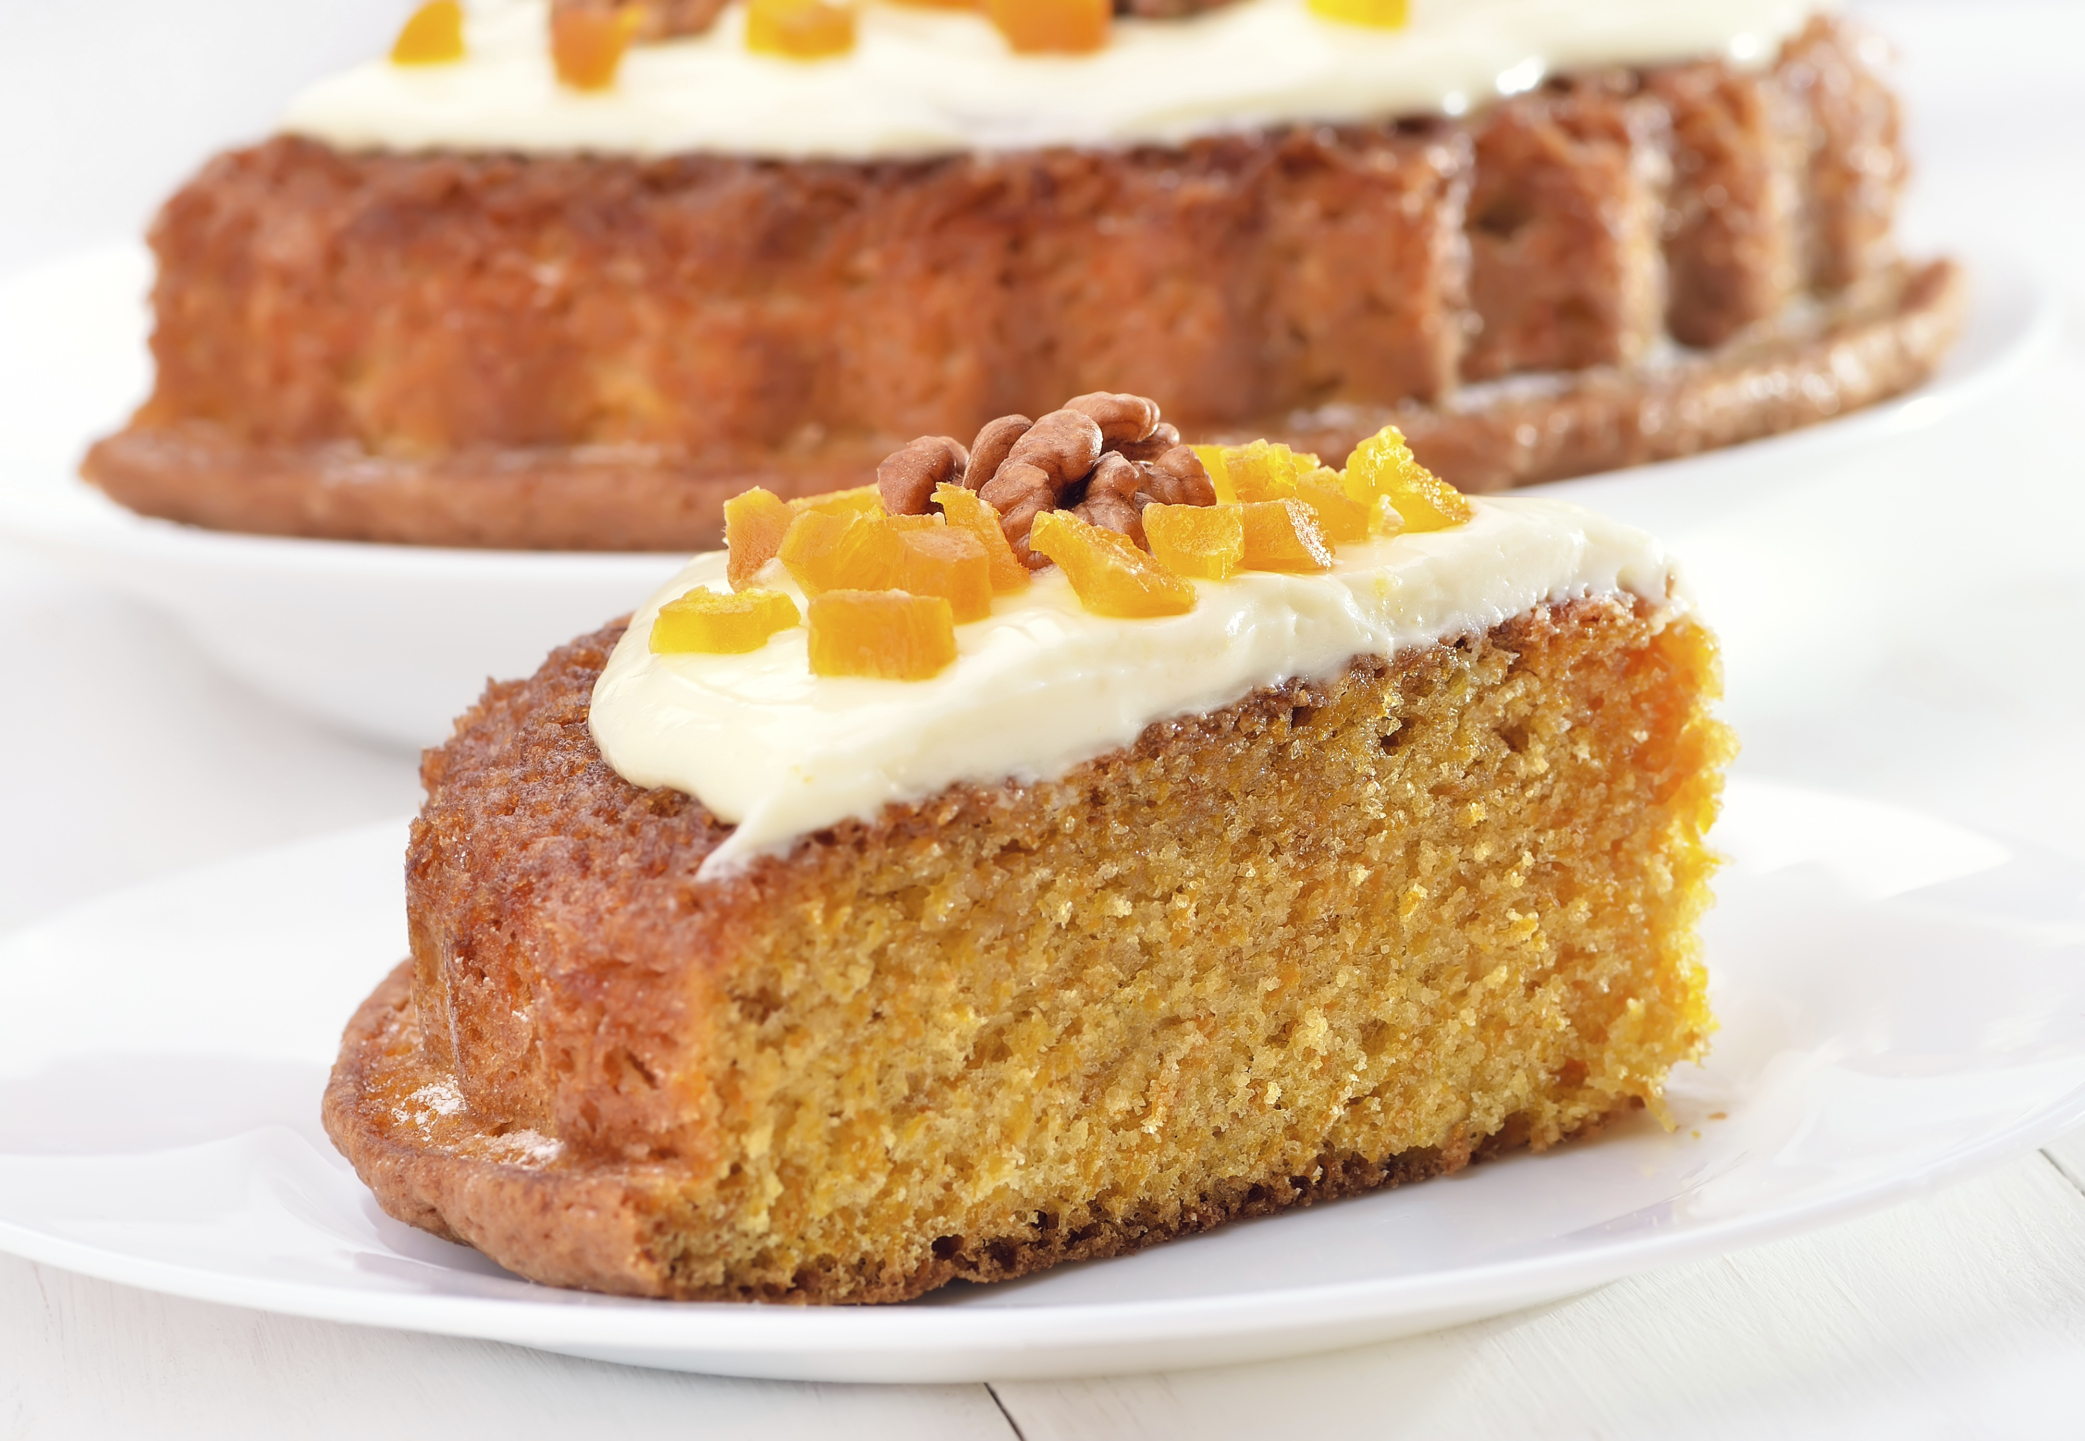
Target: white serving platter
395, 641
1902, 1001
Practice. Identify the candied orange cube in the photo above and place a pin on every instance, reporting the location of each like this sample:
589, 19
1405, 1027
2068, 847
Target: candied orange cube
886, 634
967, 512
1260, 470
860, 500
1206, 542
1376, 14
713, 622
1265, 471
1052, 27
754, 523
950, 563
1341, 518
808, 547
841, 552
867, 555
1109, 573
431, 35
799, 29
586, 46
1283, 535
1383, 467
1219, 461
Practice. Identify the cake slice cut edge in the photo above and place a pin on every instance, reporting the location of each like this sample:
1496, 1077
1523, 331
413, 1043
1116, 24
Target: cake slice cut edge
1339, 935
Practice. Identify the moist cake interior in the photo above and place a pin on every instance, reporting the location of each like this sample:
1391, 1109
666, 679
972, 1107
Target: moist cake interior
1332, 937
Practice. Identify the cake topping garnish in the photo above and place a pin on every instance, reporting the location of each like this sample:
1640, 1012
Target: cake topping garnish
431, 35
651, 19
587, 44
966, 510
1383, 474
754, 523
799, 29
1101, 487
1104, 454
1376, 14
908, 475
714, 623
1202, 542
588, 50
886, 634
1052, 27
1111, 497
1283, 535
850, 550
951, 563
1110, 575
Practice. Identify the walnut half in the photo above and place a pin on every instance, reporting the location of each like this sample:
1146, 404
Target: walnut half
1104, 456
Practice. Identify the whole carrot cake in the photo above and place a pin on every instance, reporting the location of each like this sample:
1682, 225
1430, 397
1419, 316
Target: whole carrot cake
569, 276
1074, 841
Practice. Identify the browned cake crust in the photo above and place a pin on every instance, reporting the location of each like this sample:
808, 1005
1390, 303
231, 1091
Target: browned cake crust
1874, 341
595, 1227
591, 353
577, 1043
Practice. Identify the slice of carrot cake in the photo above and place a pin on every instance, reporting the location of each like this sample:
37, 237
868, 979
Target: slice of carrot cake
1074, 841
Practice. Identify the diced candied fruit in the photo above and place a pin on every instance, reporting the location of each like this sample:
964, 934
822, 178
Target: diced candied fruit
754, 523
886, 634
867, 556
1206, 542
966, 512
808, 546
799, 29
431, 35
1341, 518
841, 552
1057, 27
1383, 467
1256, 471
1283, 535
1260, 470
1264, 470
713, 622
1111, 576
587, 45
861, 500
950, 563
1378, 14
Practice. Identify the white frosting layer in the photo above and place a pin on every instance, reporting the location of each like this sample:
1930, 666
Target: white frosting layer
925, 82
1042, 684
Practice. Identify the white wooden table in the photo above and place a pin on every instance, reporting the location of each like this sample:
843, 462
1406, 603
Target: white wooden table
1912, 628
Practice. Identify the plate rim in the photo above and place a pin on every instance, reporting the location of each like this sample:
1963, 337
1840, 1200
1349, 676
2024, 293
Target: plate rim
941, 1343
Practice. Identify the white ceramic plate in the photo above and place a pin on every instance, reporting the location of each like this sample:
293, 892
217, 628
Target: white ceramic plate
394, 641
1901, 1001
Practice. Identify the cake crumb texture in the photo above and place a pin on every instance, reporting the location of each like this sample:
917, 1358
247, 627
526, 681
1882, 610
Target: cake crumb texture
1336, 936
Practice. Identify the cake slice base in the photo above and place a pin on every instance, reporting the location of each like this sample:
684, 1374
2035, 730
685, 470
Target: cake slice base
499, 1190
1342, 934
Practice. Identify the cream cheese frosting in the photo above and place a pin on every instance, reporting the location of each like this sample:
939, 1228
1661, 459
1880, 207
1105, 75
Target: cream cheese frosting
929, 81
1042, 684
